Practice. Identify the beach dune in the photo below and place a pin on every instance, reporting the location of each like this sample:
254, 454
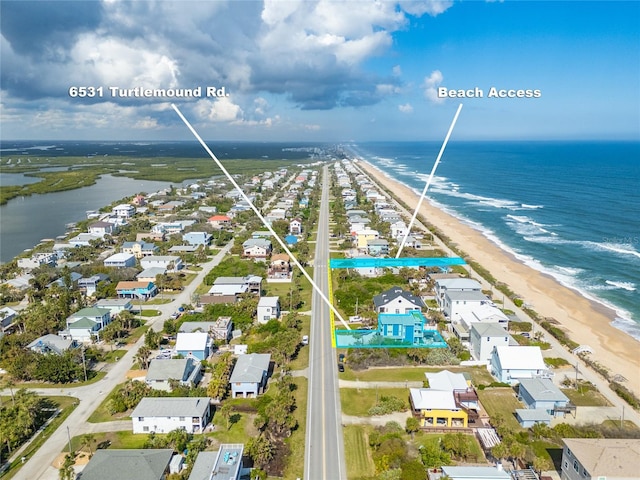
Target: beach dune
586, 322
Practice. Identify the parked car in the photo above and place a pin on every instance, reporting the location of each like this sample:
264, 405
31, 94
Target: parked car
305, 339
341, 367
341, 358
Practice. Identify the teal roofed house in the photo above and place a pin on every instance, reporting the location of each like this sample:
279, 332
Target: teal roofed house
87, 322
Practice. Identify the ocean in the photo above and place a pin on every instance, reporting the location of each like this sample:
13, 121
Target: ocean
568, 209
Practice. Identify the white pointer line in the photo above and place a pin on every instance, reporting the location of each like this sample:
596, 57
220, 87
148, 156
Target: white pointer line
426, 186
262, 219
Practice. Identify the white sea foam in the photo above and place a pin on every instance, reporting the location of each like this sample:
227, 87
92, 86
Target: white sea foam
627, 326
526, 226
629, 286
531, 207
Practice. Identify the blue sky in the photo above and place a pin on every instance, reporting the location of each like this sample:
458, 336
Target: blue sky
321, 70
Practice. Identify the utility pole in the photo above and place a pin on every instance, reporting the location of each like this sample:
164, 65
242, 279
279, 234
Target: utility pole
84, 366
69, 437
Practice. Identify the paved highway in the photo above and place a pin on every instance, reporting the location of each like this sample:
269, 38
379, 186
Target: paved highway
324, 447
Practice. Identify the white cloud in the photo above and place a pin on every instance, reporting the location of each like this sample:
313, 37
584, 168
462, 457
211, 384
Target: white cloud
430, 86
219, 110
420, 7
397, 71
406, 108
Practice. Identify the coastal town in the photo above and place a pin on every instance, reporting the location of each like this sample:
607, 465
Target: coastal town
172, 335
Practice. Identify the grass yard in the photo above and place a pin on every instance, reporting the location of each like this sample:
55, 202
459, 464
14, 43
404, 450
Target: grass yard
102, 413
158, 301
479, 375
112, 357
586, 397
97, 376
123, 439
501, 401
548, 450
476, 454
357, 402
359, 461
150, 313
239, 431
135, 335
302, 360
295, 464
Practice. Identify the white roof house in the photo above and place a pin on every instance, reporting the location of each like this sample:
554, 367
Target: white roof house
446, 380
509, 364
164, 414
194, 344
427, 398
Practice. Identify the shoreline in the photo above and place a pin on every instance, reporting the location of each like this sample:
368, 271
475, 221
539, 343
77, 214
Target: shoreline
585, 320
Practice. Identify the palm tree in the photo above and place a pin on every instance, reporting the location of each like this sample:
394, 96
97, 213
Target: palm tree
89, 439
143, 356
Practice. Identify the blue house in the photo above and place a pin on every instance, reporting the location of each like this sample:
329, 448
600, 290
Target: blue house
408, 327
193, 345
542, 394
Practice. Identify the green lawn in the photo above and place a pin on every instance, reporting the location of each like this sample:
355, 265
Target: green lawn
358, 401
149, 313
102, 414
586, 397
501, 401
112, 357
423, 438
124, 439
479, 375
359, 461
97, 376
136, 334
238, 432
158, 301
295, 464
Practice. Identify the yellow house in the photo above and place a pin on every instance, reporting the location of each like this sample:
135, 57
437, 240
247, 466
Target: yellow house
363, 236
437, 408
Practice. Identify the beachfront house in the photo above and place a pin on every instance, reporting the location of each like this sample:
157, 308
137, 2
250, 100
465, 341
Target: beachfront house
164, 414
511, 364
542, 394
458, 302
397, 300
406, 327
484, 337
249, 376
457, 284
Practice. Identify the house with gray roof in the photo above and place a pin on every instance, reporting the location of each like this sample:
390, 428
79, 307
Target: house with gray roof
483, 337
161, 372
225, 464
397, 300
131, 464
51, 344
249, 376
542, 394
164, 414
87, 322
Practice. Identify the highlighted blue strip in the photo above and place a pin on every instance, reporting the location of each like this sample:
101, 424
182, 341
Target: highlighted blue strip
395, 262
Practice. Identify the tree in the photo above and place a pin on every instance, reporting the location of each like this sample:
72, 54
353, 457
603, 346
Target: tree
413, 470
88, 439
152, 339
226, 411
261, 450
541, 464
499, 451
412, 426
67, 472
143, 356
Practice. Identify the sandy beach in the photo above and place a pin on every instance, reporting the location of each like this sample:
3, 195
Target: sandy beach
585, 321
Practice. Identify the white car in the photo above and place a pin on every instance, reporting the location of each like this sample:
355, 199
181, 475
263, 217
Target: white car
305, 340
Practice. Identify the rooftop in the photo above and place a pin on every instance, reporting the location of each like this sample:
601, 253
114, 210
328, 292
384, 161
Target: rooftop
612, 457
140, 464
171, 407
250, 368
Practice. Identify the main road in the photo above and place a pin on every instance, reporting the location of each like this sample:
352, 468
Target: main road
324, 448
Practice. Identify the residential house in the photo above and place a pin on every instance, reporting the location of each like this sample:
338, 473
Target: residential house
412, 242
295, 226
170, 206
130, 464
139, 249
139, 201
219, 329
61, 282
364, 236
150, 274
358, 224
136, 290
225, 464
178, 249
279, 268
478, 473
256, 248
84, 239
38, 260
398, 229
164, 414
527, 418
406, 327
268, 309
124, 210
220, 222
484, 337
161, 372
120, 260
513, 363
252, 283
249, 376
89, 285
600, 458
103, 228
483, 313
197, 238
455, 284
115, 305
437, 408
378, 247
85, 324
171, 263
397, 300
542, 394
457, 303
7, 316
195, 344
50, 343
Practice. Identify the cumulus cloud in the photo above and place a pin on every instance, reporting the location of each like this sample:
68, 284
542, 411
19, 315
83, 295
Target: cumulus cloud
430, 86
405, 108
